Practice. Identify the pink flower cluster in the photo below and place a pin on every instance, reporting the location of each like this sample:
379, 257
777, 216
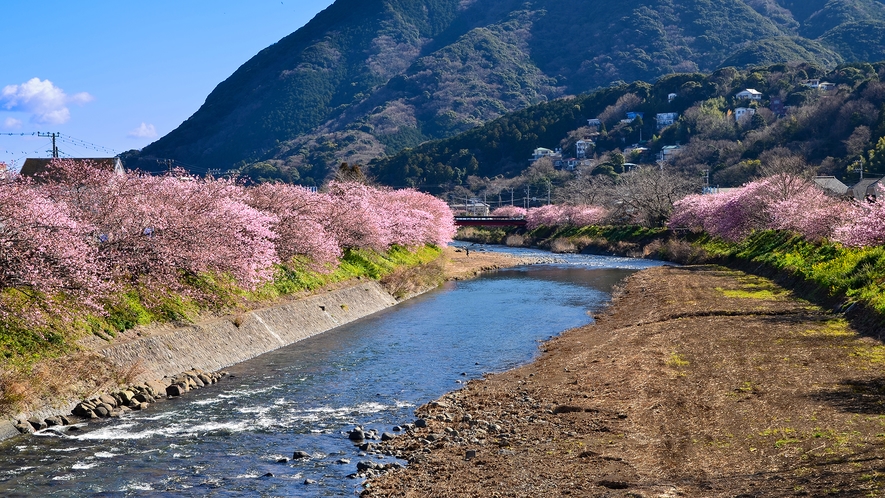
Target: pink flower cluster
81, 230
510, 211
563, 215
866, 223
782, 202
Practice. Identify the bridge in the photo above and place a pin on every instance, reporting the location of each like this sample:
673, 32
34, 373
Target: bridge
489, 221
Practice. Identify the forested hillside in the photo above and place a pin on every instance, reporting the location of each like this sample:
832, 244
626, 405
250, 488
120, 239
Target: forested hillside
369, 78
836, 132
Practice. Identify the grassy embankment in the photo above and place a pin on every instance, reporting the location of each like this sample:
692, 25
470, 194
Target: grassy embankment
824, 272
40, 362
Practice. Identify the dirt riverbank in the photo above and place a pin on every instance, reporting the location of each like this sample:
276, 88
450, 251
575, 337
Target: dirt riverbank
460, 265
698, 381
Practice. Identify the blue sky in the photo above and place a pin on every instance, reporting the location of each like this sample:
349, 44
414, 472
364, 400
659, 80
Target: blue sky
121, 74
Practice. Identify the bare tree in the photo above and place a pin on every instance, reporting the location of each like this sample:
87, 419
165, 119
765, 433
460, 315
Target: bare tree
586, 188
646, 195
616, 112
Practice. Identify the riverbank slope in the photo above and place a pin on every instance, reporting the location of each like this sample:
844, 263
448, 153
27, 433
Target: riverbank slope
697, 381
153, 352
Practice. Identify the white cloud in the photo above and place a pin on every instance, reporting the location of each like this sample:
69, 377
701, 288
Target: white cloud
144, 131
45, 102
12, 124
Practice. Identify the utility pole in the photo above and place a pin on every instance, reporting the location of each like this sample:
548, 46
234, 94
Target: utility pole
53, 136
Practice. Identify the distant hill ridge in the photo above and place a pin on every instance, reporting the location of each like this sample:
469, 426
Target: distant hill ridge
370, 77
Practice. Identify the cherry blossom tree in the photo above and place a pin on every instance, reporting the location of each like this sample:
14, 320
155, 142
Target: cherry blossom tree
864, 223
43, 250
158, 228
779, 202
565, 215
301, 225
510, 211
549, 215
584, 215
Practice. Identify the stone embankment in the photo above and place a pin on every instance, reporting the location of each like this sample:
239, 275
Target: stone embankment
130, 398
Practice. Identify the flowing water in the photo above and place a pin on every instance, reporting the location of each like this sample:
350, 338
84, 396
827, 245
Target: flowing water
227, 439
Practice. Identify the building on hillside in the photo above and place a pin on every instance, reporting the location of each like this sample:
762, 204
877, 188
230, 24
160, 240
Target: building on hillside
668, 152
476, 207
35, 167
666, 119
633, 115
749, 94
568, 164
671, 97
831, 184
554, 155
866, 189
594, 122
581, 148
539, 153
742, 113
823, 86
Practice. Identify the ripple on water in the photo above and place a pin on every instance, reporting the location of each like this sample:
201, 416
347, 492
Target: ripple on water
371, 373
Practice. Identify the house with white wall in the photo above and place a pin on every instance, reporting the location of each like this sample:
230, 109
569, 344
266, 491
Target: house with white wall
742, 113
665, 119
749, 94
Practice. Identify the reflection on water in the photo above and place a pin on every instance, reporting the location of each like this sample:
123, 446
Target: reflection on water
226, 440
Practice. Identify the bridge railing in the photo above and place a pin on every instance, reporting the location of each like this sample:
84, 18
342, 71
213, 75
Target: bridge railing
488, 220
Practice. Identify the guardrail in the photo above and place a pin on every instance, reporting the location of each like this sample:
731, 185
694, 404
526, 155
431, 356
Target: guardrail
494, 221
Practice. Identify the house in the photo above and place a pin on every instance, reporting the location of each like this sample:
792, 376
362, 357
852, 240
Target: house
669, 151
665, 119
823, 86
539, 153
865, 189
594, 122
749, 94
633, 115
35, 166
581, 148
568, 164
476, 207
671, 97
742, 113
831, 185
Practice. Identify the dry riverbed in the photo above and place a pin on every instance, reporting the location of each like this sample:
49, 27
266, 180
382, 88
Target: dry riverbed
460, 265
698, 381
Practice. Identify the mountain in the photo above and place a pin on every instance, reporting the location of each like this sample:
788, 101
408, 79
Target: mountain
367, 78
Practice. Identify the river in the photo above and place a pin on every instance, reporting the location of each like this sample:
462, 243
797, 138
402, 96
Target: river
228, 439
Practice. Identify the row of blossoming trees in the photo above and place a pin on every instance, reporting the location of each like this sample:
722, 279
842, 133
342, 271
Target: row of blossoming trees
556, 215
84, 233
778, 202
784, 202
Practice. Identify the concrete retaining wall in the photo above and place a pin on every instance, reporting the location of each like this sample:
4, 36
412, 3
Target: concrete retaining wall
217, 344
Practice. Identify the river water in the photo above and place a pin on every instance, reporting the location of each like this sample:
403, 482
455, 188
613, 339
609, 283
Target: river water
227, 439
